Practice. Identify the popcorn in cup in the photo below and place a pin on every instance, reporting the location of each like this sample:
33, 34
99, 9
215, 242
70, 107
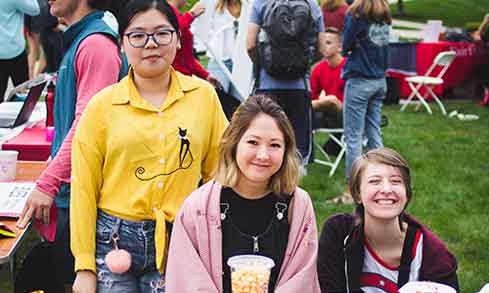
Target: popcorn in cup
8, 165
250, 273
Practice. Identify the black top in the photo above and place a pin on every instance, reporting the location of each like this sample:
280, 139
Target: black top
257, 226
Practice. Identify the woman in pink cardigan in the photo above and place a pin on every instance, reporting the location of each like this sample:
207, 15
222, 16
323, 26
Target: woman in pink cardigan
252, 207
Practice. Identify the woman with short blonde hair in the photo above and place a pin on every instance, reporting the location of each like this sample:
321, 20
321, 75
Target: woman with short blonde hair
381, 247
253, 207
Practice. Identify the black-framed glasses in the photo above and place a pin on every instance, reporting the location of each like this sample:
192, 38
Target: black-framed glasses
161, 37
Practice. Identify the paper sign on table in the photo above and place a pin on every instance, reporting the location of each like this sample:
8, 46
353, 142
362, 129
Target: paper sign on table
13, 196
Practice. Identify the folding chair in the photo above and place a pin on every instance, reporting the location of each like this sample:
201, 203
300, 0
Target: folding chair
327, 159
443, 60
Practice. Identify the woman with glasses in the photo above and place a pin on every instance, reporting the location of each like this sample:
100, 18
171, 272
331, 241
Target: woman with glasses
141, 147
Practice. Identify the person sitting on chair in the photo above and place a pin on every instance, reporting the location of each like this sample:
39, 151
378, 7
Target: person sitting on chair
327, 86
380, 247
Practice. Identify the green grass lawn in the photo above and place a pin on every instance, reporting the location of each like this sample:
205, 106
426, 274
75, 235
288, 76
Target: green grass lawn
449, 159
453, 13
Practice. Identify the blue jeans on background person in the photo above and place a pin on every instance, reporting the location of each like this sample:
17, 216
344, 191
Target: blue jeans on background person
137, 237
362, 109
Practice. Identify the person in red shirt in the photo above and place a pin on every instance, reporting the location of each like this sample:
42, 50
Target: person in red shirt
326, 83
334, 12
185, 61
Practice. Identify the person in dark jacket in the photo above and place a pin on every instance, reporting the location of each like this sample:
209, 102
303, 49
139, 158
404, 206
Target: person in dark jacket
380, 247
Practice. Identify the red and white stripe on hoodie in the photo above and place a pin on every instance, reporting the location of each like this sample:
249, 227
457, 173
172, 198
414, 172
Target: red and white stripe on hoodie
380, 277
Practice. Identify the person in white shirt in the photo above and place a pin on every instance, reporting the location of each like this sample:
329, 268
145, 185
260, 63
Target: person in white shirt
224, 23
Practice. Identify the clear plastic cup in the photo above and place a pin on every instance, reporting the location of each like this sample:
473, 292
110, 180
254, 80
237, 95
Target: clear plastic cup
250, 273
8, 164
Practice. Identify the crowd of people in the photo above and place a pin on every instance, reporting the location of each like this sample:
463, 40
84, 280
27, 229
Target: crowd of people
150, 188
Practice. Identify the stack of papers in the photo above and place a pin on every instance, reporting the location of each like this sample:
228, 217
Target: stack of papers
13, 196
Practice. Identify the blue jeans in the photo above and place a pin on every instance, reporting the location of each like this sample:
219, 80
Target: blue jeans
361, 116
138, 239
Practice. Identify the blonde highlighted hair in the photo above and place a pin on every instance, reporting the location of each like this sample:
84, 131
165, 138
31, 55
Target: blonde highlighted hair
372, 10
285, 180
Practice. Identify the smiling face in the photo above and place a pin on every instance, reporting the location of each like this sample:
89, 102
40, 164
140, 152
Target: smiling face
382, 192
152, 60
260, 152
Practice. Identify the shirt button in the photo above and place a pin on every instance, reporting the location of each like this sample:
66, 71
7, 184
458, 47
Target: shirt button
160, 184
154, 210
162, 161
160, 114
162, 136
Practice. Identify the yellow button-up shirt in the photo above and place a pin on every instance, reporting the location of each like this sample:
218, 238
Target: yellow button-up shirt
138, 162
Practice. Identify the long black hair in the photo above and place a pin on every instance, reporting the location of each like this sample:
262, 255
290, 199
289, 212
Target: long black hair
134, 7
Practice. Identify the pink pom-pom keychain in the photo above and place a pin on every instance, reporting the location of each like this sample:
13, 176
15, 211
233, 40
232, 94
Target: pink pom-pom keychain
118, 260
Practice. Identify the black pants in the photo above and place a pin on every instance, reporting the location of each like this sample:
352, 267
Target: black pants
65, 263
52, 45
297, 107
16, 68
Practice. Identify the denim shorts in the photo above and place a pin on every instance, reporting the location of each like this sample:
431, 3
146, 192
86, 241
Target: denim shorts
137, 237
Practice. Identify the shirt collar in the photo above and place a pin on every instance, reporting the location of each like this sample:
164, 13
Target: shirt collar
129, 94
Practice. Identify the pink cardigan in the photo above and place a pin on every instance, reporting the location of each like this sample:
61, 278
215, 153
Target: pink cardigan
195, 253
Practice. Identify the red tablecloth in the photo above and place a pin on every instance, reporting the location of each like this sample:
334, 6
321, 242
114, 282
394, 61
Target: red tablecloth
31, 144
461, 70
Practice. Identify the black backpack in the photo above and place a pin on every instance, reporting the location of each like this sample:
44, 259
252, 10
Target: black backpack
287, 41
